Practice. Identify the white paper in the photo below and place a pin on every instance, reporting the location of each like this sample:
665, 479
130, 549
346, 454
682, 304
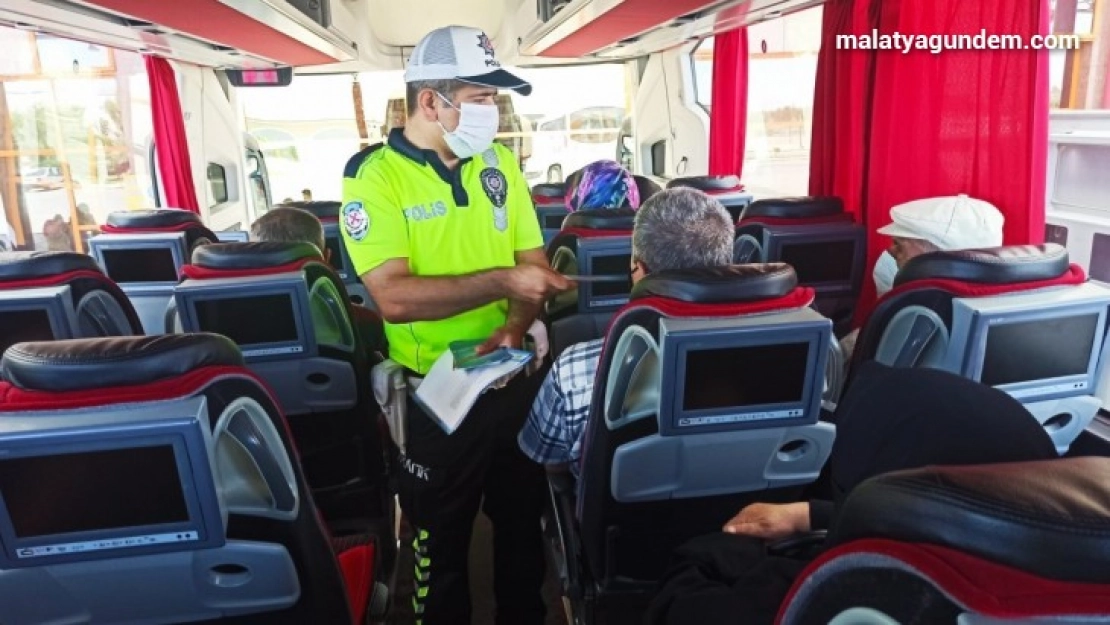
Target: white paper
448, 394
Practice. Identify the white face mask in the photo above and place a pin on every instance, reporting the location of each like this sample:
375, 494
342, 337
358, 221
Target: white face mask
477, 128
885, 270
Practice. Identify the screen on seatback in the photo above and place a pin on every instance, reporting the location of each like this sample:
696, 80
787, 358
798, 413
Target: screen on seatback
745, 376
149, 264
254, 320
815, 263
18, 326
616, 265
92, 491
1038, 350
553, 221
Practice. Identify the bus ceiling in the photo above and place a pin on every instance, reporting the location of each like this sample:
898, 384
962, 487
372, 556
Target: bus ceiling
365, 35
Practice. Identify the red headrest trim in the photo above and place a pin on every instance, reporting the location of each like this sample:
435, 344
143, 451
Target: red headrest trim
987, 588
60, 278
175, 228
1074, 275
736, 189
196, 272
782, 221
13, 399
587, 233
547, 200
801, 296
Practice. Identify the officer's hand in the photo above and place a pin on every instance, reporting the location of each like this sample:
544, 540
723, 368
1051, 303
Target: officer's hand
505, 336
535, 284
770, 521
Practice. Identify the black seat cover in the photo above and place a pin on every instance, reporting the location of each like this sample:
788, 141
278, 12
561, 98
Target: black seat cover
322, 209
601, 219
995, 265
706, 183
153, 218
85, 364
30, 265
555, 190
646, 186
1049, 518
731, 283
794, 208
256, 255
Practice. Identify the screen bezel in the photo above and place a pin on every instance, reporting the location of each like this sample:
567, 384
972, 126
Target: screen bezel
174, 241
347, 273
588, 251
678, 344
292, 285
776, 237
194, 473
57, 301
1045, 388
233, 236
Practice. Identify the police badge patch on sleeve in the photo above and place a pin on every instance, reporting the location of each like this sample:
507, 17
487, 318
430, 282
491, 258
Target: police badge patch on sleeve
356, 221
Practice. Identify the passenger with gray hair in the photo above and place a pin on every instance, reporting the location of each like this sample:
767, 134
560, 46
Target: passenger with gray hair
289, 224
680, 228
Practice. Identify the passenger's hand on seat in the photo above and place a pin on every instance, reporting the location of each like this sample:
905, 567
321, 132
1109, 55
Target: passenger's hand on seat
770, 521
535, 284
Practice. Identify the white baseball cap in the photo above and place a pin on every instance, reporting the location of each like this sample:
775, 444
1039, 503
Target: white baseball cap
950, 223
461, 53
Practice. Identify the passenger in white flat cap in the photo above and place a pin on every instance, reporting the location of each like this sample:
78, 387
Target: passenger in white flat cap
440, 226
932, 224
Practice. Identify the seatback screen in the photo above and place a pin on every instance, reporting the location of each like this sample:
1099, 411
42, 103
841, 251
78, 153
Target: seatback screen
92, 491
18, 326
553, 221
150, 264
737, 377
1038, 350
616, 265
255, 320
816, 263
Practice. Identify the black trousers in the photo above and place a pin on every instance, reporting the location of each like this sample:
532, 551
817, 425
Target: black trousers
442, 481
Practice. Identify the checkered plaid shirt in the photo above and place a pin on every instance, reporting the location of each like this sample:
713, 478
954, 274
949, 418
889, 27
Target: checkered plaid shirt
553, 433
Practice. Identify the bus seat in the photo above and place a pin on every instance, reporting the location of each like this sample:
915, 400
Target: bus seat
60, 295
327, 211
153, 479
816, 237
725, 189
1015, 543
591, 242
143, 251
288, 312
646, 186
551, 208
707, 397
1020, 318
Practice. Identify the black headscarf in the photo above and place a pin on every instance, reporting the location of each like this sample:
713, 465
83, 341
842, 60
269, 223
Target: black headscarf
893, 419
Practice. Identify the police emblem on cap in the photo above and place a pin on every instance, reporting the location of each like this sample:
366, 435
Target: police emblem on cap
487, 46
495, 185
356, 221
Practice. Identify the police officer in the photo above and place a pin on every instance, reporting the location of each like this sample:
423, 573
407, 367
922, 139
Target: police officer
440, 226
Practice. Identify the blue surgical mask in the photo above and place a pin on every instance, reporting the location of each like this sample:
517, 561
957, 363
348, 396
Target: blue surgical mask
885, 270
477, 128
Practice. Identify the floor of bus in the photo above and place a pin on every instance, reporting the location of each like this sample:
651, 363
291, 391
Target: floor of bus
481, 581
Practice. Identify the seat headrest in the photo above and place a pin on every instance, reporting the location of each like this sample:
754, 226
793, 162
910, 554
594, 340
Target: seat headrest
153, 218
30, 265
707, 183
794, 208
256, 255
322, 209
84, 364
719, 285
1050, 518
601, 219
646, 186
994, 265
550, 189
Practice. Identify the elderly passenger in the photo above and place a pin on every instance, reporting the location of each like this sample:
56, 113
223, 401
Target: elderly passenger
678, 228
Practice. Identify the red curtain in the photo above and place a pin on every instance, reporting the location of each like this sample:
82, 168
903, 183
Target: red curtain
728, 114
902, 126
169, 136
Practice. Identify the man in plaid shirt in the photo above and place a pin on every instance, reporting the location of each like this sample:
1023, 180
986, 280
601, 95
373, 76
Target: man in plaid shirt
680, 228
